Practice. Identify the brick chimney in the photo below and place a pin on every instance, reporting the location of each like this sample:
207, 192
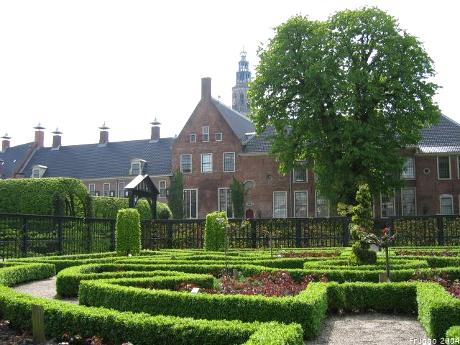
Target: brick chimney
206, 89
155, 131
56, 139
39, 135
104, 134
5, 142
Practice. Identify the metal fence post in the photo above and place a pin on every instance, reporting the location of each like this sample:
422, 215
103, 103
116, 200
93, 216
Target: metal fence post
298, 233
60, 236
440, 228
113, 235
169, 235
89, 238
346, 232
25, 236
253, 233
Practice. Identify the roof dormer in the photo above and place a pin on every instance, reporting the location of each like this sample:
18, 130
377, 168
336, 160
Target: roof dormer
137, 166
38, 171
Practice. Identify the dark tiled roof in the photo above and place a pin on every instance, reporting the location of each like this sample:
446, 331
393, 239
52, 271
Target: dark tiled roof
111, 160
12, 158
259, 143
443, 137
239, 123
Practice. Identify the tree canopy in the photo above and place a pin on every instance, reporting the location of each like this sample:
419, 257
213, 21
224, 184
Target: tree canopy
345, 95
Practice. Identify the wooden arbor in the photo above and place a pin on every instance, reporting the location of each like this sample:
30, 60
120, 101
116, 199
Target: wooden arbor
143, 187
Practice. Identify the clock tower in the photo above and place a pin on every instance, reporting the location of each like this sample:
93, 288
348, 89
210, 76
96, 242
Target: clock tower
240, 90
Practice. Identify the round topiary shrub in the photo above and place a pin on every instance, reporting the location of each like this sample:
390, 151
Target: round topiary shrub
215, 235
128, 232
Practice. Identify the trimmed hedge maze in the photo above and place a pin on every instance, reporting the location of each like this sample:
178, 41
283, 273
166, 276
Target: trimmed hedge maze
138, 299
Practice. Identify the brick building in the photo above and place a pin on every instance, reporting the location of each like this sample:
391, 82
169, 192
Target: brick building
218, 144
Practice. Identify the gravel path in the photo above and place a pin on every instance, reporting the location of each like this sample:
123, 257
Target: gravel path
43, 288
371, 329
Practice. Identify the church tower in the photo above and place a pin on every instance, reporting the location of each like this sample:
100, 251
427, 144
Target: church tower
240, 90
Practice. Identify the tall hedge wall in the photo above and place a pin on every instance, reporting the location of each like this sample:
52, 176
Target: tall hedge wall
46, 196
107, 207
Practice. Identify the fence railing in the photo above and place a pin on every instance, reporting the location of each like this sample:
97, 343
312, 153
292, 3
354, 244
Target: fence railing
32, 235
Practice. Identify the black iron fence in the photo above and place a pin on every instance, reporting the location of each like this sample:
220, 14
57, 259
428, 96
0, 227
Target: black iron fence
31, 235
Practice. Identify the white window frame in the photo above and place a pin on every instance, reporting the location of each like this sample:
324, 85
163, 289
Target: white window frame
316, 205
294, 175
415, 201
211, 167
121, 189
181, 164
295, 205
234, 161
104, 189
192, 135
228, 190
450, 169
93, 191
409, 177
196, 207
38, 171
452, 203
205, 132
286, 203
160, 188
394, 206
220, 135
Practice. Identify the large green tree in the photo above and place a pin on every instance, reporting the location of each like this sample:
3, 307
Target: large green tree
347, 94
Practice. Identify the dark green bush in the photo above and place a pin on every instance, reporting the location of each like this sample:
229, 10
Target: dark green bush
128, 232
215, 235
107, 207
361, 255
41, 196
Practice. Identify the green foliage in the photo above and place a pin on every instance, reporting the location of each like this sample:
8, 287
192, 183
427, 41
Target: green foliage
271, 333
45, 196
128, 232
14, 275
107, 207
361, 255
176, 195
453, 334
307, 308
347, 93
437, 309
237, 193
215, 233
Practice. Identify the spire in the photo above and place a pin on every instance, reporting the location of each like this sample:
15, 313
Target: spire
240, 90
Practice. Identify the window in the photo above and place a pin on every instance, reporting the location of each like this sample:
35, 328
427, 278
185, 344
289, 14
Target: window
300, 174
444, 168
205, 133
322, 206
229, 161
191, 203
92, 189
408, 206
387, 205
137, 165
162, 188
206, 162
279, 204
193, 138
38, 171
121, 189
106, 189
218, 136
446, 204
225, 201
301, 204
408, 168
186, 163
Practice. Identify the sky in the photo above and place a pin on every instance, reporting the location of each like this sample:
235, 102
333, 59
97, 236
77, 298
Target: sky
73, 65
